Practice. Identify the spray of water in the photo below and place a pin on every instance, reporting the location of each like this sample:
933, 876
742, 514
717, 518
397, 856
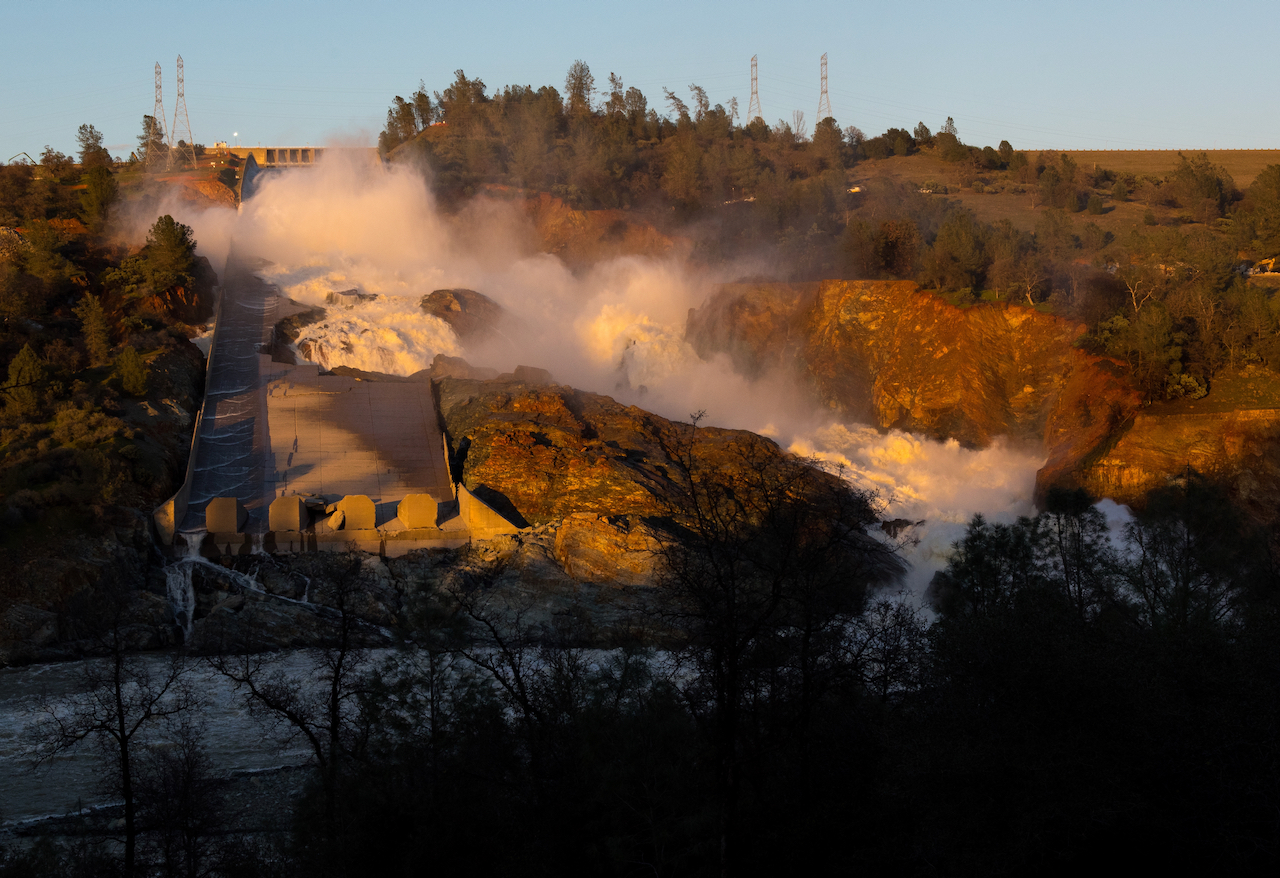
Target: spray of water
617, 328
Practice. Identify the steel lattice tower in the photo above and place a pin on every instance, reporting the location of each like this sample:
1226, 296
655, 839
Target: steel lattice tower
824, 102
181, 131
154, 157
753, 109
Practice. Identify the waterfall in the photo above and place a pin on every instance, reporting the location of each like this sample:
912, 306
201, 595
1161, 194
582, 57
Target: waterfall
182, 595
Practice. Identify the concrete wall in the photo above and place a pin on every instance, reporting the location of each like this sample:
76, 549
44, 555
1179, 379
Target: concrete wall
170, 513
294, 156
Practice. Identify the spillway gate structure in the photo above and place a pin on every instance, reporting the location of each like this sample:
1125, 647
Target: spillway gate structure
291, 458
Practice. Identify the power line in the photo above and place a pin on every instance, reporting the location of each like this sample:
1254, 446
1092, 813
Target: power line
154, 157
753, 110
824, 102
182, 126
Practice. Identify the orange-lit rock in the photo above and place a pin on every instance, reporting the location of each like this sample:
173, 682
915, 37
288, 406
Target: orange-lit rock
598, 548
555, 451
893, 355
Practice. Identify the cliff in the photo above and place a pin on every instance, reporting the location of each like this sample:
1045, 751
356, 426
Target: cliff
552, 451
890, 354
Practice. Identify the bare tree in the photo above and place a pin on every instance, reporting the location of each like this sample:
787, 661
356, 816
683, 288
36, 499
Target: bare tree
324, 708
766, 563
125, 699
181, 809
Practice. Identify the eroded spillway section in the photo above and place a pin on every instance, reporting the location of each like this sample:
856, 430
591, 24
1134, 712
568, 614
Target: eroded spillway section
290, 458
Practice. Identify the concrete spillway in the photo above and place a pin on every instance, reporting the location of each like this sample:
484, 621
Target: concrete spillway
269, 430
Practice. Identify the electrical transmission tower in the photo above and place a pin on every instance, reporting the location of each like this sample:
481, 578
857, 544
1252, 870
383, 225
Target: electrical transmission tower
157, 139
753, 109
824, 102
181, 130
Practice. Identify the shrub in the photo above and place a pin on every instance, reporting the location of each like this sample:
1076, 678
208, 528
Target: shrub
132, 372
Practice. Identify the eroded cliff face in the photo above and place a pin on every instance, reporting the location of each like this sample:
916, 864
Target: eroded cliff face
1232, 436
581, 237
893, 355
552, 451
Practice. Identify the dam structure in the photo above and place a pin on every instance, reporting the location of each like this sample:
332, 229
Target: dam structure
288, 457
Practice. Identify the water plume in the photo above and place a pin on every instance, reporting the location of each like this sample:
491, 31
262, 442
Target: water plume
616, 328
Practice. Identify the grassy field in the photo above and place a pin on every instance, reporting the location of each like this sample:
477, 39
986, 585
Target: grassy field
998, 196
1242, 164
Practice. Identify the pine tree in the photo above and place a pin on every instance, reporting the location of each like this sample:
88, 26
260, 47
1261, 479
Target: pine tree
26, 372
93, 321
132, 370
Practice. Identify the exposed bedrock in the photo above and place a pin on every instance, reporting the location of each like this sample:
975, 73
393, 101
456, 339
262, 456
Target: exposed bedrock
552, 450
891, 354
471, 315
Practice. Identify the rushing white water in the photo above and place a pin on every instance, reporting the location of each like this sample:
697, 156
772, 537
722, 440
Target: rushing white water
938, 483
617, 328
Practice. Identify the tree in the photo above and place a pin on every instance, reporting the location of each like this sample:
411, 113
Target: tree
180, 806
169, 255
324, 708
26, 374
579, 87
957, 261
99, 194
152, 149
1192, 558
93, 326
92, 153
766, 563
132, 371
58, 164
124, 700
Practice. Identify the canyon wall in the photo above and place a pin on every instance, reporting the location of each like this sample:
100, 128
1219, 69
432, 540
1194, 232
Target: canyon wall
890, 354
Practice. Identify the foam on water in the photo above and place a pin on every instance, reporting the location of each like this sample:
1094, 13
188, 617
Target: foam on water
939, 483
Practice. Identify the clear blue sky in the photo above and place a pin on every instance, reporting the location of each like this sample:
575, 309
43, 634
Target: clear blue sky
1069, 75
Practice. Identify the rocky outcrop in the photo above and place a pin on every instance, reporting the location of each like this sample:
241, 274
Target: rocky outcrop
890, 354
622, 550
551, 451
1232, 436
471, 315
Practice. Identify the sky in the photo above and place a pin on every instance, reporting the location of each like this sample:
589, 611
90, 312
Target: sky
1085, 75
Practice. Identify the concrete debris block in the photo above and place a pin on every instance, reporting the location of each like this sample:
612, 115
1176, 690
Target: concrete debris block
533, 375
359, 511
288, 513
334, 521
480, 518
418, 511
225, 515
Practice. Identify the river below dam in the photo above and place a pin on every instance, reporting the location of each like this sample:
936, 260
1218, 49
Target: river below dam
235, 741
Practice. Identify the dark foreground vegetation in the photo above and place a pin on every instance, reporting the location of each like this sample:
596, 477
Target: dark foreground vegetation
1070, 705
